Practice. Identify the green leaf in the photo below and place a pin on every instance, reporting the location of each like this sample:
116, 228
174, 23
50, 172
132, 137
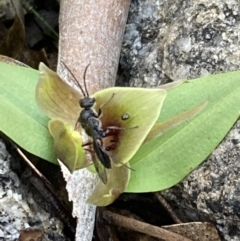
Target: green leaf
142, 108
159, 163
118, 178
127, 116
166, 160
67, 145
129, 113
161, 127
56, 98
21, 119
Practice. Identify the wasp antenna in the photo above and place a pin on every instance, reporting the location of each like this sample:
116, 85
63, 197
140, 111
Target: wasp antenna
84, 79
75, 80
126, 166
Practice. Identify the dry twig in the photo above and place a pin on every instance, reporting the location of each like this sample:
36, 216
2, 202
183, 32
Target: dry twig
145, 228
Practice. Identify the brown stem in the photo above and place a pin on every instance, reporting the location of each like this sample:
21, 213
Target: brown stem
45, 189
91, 32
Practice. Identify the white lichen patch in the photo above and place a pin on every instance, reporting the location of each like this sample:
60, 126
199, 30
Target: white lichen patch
18, 209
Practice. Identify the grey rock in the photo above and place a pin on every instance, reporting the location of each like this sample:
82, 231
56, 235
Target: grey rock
212, 191
172, 40
20, 207
6, 10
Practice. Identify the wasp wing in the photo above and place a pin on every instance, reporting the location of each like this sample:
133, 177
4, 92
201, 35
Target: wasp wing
101, 159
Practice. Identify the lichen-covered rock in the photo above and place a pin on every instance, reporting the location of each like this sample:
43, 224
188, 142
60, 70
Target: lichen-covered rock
179, 40
18, 207
172, 40
212, 192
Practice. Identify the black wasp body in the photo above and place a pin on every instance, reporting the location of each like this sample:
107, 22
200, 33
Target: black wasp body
88, 118
91, 123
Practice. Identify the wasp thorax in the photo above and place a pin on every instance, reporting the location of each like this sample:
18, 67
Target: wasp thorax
87, 102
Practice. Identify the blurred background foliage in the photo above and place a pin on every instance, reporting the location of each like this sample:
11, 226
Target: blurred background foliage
29, 31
